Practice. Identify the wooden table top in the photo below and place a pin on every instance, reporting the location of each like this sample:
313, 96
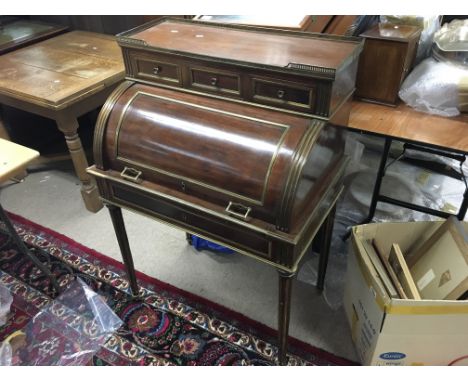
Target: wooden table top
14, 158
403, 122
62, 70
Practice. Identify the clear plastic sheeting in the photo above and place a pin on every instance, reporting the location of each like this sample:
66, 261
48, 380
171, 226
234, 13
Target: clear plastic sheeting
67, 332
434, 87
5, 302
429, 24
402, 181
451, 43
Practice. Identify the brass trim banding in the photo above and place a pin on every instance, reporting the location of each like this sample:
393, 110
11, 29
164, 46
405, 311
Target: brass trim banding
101, 121
298, 162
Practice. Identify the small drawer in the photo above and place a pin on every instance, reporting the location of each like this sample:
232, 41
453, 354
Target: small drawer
194, 221
214, 80
155, 70
285, 94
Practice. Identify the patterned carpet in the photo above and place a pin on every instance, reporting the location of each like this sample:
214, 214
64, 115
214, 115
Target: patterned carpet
165, 326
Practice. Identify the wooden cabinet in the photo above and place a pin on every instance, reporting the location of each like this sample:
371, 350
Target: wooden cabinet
387, 58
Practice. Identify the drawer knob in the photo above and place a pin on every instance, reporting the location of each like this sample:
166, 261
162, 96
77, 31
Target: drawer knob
214, 81
156, 70
280, 94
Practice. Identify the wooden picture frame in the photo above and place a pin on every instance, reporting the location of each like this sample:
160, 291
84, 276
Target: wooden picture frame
380, 269
400, 267
440, 265
391, 273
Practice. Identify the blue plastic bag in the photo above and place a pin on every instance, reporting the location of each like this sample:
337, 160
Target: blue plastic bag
199, 244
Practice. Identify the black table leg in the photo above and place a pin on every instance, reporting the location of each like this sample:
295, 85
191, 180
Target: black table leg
121, 233
325, 234
284, 310
464, 206
24, 249
378, 181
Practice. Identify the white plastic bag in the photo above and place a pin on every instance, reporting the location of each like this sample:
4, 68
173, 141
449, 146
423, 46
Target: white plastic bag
429, 25
432, 87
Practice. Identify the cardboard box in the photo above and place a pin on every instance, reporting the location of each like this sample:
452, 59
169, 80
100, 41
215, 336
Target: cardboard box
390, 331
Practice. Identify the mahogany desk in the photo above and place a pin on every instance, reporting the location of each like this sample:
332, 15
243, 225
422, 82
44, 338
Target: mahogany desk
405, 124
63, 78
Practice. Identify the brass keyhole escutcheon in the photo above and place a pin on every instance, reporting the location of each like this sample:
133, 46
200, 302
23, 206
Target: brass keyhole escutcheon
280, 94
156, 70
214, 81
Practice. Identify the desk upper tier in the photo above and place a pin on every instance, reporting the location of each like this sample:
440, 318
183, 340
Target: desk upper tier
406, 124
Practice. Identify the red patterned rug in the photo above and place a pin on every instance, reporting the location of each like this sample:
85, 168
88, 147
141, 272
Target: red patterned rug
167, 326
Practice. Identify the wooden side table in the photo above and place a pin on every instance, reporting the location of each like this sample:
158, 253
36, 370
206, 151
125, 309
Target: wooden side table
13, 160
404, 124
63, 78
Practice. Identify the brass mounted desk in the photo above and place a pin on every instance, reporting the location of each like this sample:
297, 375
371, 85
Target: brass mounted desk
63, 78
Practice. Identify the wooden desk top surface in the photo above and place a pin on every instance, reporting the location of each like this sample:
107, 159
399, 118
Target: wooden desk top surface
408, 124
62, 70
271, 48
14, 158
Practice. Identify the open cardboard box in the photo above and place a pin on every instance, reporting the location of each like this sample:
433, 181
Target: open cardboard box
390, 331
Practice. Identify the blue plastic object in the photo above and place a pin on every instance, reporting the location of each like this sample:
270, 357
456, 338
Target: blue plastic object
200, 244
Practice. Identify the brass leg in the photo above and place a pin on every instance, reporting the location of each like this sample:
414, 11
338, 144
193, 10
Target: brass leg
326, 231
284, 309
89, 191
121, 233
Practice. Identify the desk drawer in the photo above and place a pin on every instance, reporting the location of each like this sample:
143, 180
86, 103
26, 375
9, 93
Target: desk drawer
156, 70
215, 80
285, 94
194, 221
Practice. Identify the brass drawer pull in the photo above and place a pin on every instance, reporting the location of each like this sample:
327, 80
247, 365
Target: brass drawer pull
157, 70
280, 94
131, 174
214, 81
238, 210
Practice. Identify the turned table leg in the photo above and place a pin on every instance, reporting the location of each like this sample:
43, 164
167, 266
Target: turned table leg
89, 191
121, 233
284, 309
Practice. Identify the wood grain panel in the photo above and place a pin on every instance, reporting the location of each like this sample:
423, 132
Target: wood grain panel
408, 124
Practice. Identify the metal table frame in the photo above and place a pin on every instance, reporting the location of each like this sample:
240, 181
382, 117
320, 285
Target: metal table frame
378, 197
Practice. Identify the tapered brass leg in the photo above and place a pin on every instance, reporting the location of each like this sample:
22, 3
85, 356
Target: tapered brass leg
326, 231
121, 233
284, 309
